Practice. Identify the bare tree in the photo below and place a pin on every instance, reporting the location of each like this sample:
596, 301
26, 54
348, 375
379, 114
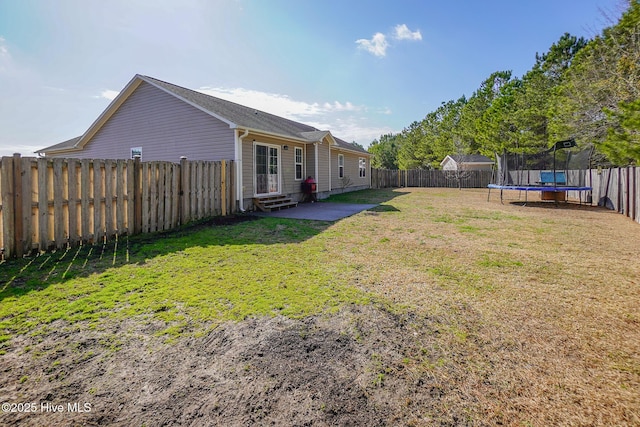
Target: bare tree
461, 172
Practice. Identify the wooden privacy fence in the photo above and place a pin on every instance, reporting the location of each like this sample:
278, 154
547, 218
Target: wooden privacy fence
51, 203
616, 188
385, 178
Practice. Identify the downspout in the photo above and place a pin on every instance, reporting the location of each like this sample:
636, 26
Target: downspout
369, 170
240, 185
304, 162
330, 167
317, 172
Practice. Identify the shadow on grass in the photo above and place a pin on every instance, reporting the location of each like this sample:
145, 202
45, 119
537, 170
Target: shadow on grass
373, 196
21, 276
571, 206
384, 208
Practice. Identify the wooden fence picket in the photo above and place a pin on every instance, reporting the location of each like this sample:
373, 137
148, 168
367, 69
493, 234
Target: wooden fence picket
57, 203
47, 203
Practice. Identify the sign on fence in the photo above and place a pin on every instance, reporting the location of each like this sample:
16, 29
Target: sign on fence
51, 203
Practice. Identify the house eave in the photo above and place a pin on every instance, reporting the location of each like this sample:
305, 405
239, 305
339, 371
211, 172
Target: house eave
259, 132
274, 135
58, 151
361, 153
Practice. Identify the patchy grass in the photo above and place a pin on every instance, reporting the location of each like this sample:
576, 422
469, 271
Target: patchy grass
467, 312
542, 301
208, 274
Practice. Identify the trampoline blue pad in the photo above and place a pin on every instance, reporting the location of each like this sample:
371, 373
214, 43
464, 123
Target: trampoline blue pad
538, 187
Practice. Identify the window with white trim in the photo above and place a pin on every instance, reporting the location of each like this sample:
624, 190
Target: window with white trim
362, 166
297, 154
340, 165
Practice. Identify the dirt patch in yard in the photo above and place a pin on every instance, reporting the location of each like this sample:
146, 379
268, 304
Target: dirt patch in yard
353, 368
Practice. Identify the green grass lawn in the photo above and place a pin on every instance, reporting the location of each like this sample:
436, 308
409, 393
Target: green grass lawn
519, 315
199, 275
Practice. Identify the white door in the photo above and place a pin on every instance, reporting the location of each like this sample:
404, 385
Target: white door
267, 169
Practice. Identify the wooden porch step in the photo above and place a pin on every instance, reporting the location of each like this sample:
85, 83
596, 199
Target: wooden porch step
272, 203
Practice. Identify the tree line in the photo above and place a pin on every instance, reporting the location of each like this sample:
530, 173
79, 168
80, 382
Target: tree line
588, 90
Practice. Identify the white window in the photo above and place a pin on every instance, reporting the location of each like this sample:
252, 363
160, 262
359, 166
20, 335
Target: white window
298, 163
362, 164
340, 166
136, 152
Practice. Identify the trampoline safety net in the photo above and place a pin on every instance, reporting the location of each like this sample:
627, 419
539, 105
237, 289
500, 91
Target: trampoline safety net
521, 169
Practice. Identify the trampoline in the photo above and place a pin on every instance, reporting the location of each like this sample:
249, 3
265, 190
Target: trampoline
539, 172
541, 188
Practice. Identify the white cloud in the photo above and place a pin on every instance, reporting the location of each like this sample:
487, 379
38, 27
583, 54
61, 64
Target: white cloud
376, 46
280, 105
337, 106
109, 94
25, 149
5, 56
402, 32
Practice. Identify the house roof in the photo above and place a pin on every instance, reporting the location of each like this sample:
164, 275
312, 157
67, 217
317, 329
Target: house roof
235, 115
70, 143
469, 158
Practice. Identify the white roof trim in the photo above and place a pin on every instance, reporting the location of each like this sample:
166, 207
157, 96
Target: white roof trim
275, 135
488, 162
107, 113
120, 99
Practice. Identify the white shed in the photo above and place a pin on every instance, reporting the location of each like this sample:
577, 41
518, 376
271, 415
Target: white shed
466, 162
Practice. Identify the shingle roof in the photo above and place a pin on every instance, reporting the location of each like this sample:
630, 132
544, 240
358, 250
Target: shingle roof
65, 144
235, 114
247, 117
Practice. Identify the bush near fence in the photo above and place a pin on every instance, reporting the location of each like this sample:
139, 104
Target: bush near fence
52, 203
619, 186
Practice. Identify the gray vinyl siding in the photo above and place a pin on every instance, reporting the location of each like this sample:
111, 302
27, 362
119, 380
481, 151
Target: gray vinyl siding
165, 127
288, 183
287, 170
247, 168
310, 162
351, 170
323, 167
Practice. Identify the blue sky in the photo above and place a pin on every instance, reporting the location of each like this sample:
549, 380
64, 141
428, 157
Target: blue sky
358, 68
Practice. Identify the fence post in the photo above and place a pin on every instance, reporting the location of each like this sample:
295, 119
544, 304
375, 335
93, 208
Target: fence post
232, 187
8, 217
137, 195
58, 196
184, 191
17, 205
628, 212
223, 187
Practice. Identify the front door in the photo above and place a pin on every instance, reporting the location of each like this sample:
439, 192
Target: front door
267, 171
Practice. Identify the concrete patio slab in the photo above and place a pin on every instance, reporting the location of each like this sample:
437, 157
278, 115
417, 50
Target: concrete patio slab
319, 211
